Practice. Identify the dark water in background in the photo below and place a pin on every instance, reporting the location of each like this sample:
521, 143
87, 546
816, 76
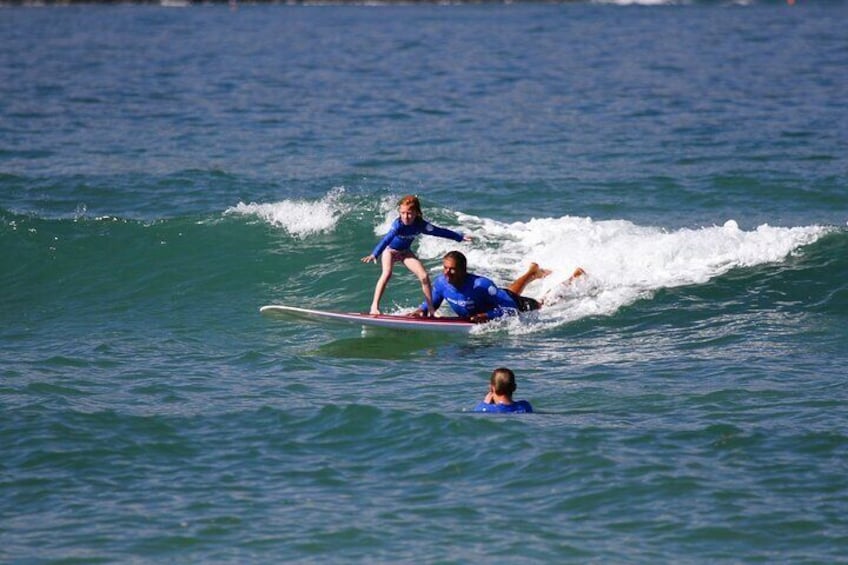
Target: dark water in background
163, 173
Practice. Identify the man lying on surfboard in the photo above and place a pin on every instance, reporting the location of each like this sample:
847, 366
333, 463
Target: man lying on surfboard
477, 298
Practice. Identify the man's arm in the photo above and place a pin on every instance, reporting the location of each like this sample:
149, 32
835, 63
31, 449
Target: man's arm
486, 296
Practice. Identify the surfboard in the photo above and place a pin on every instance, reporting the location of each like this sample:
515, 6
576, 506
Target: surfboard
450, 325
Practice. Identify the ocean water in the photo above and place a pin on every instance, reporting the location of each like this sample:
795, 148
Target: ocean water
166, 172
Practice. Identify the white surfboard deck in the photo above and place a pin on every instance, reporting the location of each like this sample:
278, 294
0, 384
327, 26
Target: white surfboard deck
450, 325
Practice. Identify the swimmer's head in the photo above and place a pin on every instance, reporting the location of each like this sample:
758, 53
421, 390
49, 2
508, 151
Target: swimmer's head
503, 382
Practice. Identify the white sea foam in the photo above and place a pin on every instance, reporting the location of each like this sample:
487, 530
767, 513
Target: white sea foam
300, 218
389, 209
625, 262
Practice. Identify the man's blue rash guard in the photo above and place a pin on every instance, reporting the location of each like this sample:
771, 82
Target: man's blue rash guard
519, 407
401, 236
477, 294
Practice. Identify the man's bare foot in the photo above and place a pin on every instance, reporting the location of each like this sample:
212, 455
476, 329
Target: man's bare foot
578, 272
559, 291
537, 272
375, 311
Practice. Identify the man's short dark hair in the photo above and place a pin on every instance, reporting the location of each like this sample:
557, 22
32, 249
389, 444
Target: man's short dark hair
459, 259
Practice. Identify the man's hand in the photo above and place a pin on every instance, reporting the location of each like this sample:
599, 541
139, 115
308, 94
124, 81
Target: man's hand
479, 318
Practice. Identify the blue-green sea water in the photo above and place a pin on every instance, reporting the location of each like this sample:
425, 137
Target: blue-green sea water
166, 172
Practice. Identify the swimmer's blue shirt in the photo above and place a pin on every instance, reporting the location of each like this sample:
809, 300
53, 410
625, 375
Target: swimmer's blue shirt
518, 407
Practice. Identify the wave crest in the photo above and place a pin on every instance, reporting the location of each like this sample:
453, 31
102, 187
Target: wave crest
300, 218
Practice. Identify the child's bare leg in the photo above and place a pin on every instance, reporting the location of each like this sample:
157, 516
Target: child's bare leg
533, 272
417, 268
386, 261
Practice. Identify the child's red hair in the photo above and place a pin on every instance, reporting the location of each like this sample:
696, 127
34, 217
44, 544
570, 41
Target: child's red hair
413, 203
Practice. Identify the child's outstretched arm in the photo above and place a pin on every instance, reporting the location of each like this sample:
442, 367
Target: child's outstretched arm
430, 229
381, 246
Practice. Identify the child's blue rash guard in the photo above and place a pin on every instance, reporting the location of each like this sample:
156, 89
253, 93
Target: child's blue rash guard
401, 236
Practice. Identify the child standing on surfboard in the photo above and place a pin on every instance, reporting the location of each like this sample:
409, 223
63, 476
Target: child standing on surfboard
395, 246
